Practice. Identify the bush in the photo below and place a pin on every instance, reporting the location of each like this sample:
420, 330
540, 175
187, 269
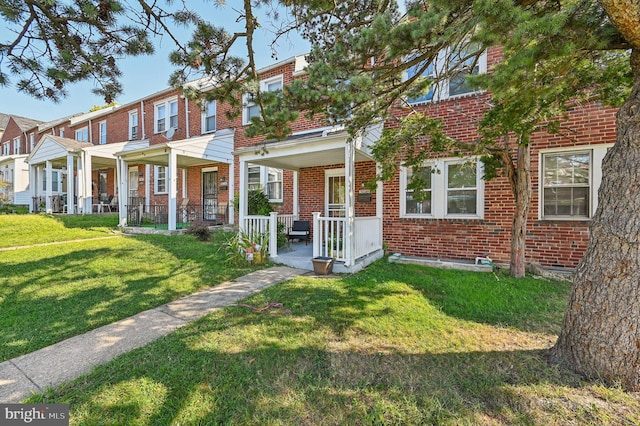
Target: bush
200, 230
13, 209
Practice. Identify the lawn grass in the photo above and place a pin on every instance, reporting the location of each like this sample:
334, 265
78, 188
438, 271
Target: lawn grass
49, 293
23, 230
394, 344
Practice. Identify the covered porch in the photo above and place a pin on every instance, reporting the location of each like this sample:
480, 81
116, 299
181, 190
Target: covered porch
204, 152
61, 174
328, 192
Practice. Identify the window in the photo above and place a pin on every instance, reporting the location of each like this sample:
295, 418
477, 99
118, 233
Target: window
5, 148
61, 133
266, 179
82, 135
160, 180
32, 141
16, 146
54, 181
209, 117
166, 115
102, 128
454, 84
443, 188
133, 125
250, 109
274, 184
566, 184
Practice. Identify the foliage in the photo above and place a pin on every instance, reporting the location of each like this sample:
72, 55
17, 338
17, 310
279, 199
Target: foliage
13, 209
242, 248
258, 203
200, 230
99, 107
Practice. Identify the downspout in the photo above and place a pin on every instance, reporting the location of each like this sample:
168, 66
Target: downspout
143, 135
90, 133
186, 116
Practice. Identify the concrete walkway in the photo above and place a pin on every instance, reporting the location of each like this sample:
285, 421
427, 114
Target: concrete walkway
71, 358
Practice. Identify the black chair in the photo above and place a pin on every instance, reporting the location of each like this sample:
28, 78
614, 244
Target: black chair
301, 230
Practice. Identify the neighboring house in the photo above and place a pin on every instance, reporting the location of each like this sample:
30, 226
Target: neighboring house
167, 162
17, 139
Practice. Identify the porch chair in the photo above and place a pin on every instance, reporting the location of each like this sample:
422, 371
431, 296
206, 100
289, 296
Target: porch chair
301, 230
113, 203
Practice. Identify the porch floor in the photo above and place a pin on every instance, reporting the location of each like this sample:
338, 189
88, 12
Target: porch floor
298, 255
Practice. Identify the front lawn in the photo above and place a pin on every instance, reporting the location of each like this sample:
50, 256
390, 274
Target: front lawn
394, 344
49, 293
24, 230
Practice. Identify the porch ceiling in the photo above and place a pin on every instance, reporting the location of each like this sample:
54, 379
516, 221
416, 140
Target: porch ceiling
300, 160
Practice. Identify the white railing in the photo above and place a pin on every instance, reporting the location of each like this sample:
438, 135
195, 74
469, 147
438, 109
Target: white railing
287, 220
330, 237
256, 226
368, 235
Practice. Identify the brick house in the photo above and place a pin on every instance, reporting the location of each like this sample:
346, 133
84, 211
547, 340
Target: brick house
167, 160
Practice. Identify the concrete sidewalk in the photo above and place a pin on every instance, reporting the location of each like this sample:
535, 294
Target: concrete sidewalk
71, 358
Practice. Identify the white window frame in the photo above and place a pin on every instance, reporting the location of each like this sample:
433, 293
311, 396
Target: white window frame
263, 185
264, 87
595, 179
441, 89
82, 132
32, 141
206, 114
6, 148
102, 132
157, 171
61, 133
167, 124
16, 145
439, 190
134, 114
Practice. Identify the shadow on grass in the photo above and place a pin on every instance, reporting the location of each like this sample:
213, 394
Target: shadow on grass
179, 381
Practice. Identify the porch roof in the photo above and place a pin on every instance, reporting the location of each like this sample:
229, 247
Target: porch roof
10, 159
55, 149
317, 148
212, 148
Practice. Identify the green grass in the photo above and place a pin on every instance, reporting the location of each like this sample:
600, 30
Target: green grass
22, 230
49, 293
394, 344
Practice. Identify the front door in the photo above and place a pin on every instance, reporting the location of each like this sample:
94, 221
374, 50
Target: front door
210, 195
335, 186
133, 183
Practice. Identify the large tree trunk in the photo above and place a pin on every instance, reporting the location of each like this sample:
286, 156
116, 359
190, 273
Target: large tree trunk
522, 194
600, 336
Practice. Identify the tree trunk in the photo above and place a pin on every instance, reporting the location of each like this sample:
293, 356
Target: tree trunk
600, 336
522, 194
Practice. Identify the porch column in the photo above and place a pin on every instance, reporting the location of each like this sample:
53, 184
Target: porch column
296, 207
173, 188
273, 234
244, 170
349, 197
232, 193
33, 185
147, 188
81, 183
71, 205
88, 186
379, 203
49, 187
122, 169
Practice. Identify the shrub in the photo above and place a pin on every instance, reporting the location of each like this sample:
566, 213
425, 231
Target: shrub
200, 230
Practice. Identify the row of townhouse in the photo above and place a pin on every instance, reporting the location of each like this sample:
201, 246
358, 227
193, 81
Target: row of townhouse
165, 161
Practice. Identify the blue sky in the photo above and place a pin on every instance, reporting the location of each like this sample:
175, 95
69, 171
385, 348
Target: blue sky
145, 75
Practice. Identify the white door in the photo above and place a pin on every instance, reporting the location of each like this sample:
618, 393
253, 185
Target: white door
335, 187
133, 182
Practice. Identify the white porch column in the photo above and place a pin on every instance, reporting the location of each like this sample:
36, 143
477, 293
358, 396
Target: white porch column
33, 185
71, 205
49, 188
88, 186
273, 234
380, 204
244, 170
81, 183
122, 170
173, 188
296, 207
349, 198
147, 188
317, 235
232, 193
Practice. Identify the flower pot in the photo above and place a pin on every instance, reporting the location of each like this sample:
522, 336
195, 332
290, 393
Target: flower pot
322, 265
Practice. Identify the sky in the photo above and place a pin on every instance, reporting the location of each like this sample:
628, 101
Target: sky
144, 75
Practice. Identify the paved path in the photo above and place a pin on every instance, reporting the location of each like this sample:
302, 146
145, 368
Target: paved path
71, 358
